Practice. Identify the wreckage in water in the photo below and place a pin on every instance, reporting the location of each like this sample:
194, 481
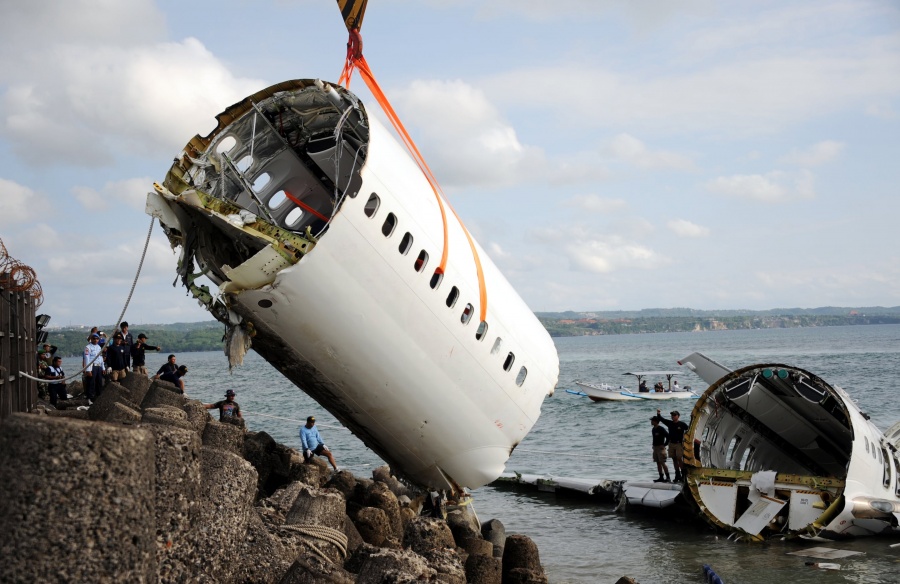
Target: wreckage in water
777, 450
361, 286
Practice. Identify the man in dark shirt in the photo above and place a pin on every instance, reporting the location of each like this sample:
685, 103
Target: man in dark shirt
677, 428
138, 355
168, 367
175, 378
660, 440
129, 340
57, 388
228, 408
117, 357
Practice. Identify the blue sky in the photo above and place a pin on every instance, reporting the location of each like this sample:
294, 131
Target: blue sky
607, 155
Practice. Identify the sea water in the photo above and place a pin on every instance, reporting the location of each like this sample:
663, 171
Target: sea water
582, 541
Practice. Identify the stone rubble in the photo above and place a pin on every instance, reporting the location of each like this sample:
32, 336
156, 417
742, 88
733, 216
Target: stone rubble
145, 486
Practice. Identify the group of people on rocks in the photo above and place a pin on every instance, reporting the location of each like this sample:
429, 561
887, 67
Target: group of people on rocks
102, 360
114, 360
125, 354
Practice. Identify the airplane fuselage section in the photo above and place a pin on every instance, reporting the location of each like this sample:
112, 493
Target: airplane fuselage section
326, 240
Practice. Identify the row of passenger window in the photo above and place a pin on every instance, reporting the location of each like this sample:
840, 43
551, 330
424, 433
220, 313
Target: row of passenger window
406, 244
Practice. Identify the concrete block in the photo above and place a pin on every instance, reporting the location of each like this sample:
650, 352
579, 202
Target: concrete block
80, 514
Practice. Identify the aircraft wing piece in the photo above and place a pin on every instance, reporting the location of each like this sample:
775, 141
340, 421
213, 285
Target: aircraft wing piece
707, 369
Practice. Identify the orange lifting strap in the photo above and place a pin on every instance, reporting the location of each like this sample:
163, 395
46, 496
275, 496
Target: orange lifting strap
356, 61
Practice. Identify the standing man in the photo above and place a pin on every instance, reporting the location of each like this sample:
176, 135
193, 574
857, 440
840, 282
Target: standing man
53, 374
117, 357
129, 341
660, 439
677, 428
312, 442
93, 364
138, 356
228, 408
168, 367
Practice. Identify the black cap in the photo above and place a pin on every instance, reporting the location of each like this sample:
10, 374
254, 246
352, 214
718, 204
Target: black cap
142, 336
675, 413
311, 419
230, 392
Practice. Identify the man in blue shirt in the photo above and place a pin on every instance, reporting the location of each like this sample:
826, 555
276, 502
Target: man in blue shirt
312, 442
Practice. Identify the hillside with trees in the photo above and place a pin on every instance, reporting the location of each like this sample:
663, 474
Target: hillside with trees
208, 335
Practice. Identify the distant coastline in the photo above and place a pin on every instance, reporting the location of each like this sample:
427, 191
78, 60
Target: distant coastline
586, 326
207, 335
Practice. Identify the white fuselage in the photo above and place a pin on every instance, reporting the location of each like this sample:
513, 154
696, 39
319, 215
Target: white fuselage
357, 324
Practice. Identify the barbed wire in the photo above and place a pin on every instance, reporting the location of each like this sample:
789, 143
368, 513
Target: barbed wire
18, 277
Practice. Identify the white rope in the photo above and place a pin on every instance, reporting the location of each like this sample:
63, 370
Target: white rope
327, 534
119, 320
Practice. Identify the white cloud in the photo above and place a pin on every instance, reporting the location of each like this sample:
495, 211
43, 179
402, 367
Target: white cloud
815, 155
684, 228
132, 192
32, 24
602, 253
474, 145
882, 110
19, 203
89, 198
773, 187
86, 103
750, 93
632, 150
649, 12
596, 203
44, 236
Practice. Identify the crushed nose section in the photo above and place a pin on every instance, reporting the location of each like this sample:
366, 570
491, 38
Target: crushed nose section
288, 155
256, 194
771, 449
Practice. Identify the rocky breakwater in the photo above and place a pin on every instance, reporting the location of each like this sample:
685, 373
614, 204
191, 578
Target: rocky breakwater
144, 486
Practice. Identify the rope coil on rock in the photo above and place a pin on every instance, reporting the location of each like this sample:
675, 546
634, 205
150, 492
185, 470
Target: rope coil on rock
121, 315
330, 535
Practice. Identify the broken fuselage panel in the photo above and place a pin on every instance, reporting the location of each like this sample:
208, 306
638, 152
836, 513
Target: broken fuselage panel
323, 236
774, 450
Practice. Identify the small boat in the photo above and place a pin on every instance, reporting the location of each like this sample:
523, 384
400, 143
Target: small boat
607, 392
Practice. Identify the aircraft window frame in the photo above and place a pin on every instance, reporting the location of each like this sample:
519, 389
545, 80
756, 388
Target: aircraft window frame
421, 261
523, 374
372, 205
405, 243
733, 446
436, 280
389, 225
452, 297
896, 474
244, 164
498, 342
467, 312
257, 186
291, 223
281, 200
886, 479
481, 331
747, 457
509, 361
226, 144
867, 444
